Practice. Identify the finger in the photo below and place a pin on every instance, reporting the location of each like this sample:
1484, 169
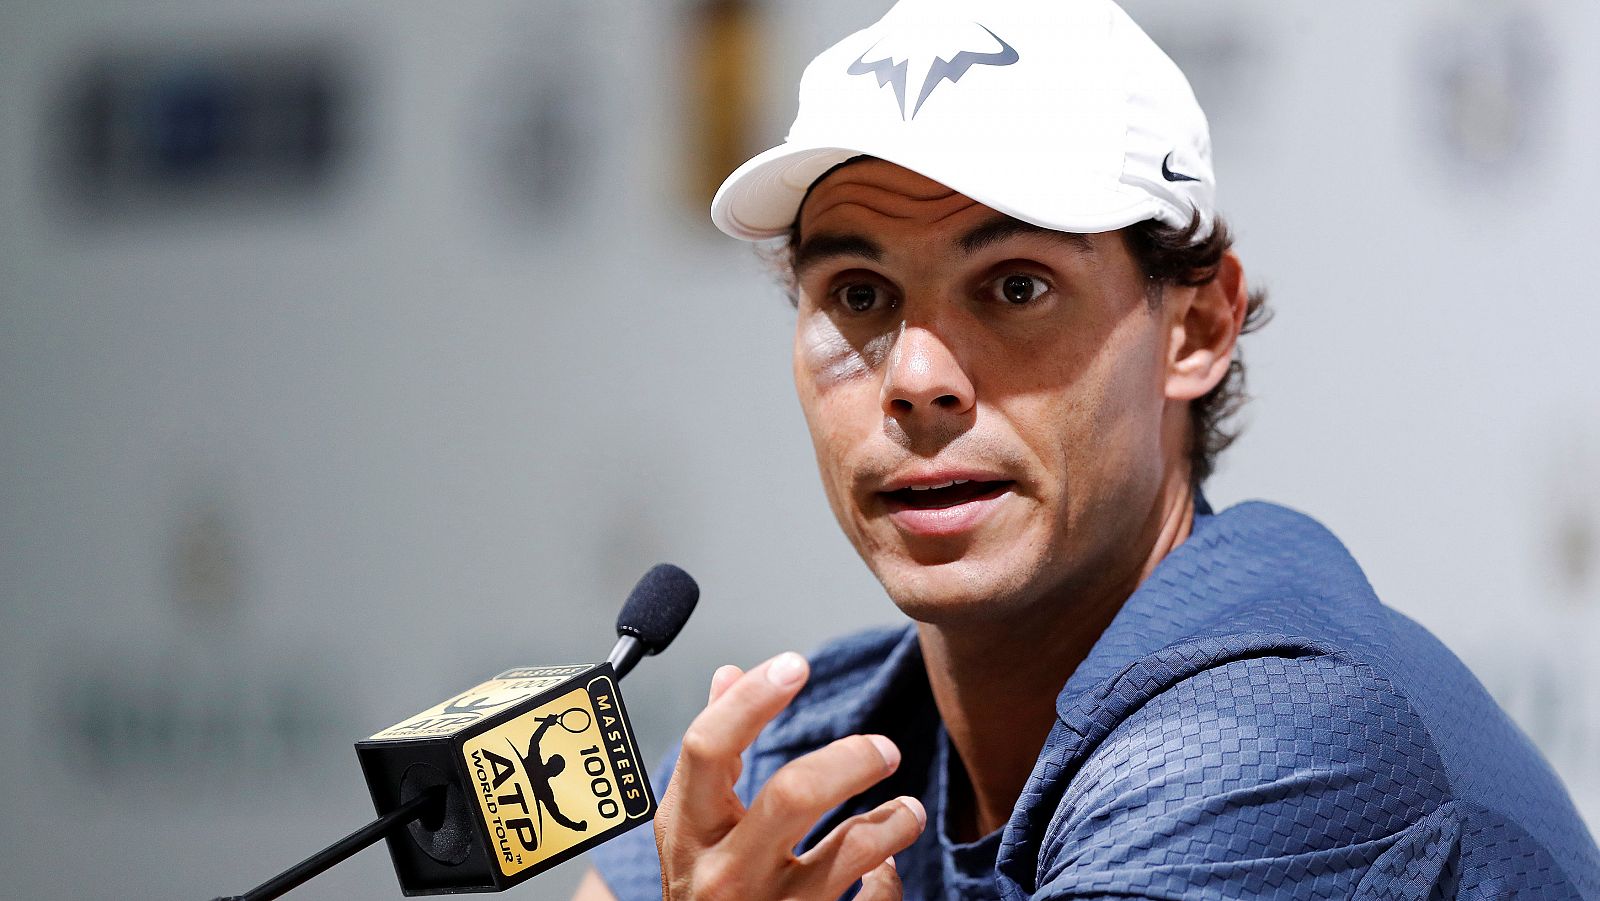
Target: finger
882, 883
807, 787
720, 680
723, 677
708, 760
861, 843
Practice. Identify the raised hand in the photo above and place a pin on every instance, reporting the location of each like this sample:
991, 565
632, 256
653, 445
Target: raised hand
714, 849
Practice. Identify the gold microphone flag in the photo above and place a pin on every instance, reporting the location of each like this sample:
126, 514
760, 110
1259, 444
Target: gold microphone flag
539, 764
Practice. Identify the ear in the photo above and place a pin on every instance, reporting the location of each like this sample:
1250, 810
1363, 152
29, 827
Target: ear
1203, 332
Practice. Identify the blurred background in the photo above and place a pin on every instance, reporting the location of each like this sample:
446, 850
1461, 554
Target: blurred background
350, 353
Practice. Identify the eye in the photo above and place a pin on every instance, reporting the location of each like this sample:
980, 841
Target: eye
1019, 289
861, 297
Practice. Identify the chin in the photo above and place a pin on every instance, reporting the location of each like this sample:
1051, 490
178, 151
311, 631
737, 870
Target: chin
961, 590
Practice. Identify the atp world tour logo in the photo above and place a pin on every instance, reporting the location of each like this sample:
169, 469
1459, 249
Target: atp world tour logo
943, 68
552, 778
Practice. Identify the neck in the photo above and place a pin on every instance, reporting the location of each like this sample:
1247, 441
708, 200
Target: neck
996, 682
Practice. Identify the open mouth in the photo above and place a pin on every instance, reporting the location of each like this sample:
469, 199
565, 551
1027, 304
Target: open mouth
939, 497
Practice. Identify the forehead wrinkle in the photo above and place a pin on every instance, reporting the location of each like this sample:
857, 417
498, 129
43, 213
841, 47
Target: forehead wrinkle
970, 203
873, 197
935, 191
847, 202
896, 207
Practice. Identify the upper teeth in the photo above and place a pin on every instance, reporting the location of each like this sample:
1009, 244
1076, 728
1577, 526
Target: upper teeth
945, 485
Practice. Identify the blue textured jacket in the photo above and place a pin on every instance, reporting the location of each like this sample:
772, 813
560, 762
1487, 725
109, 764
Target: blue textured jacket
1252, 724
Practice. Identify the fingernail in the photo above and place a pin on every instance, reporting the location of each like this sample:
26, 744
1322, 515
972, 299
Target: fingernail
886, 750
890, 861
916, 808
787, 669
717, 677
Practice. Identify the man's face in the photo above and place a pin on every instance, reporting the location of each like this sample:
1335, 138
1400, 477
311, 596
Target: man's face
986, 398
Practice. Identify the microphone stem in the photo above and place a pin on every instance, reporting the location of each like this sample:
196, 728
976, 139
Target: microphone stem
624, 654
344, 848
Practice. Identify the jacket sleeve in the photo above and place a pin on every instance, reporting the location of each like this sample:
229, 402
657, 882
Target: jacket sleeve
1265, 777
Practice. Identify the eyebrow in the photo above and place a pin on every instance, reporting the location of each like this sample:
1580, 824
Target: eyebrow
1000, 228
827, 246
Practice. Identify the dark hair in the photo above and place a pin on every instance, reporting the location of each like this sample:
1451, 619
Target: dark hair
1166, 256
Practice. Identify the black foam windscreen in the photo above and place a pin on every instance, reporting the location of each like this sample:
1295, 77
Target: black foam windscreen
658, 607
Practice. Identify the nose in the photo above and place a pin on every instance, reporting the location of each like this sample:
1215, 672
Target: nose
924, 376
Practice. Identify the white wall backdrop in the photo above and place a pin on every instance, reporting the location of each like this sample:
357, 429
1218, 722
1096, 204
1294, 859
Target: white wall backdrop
276, 473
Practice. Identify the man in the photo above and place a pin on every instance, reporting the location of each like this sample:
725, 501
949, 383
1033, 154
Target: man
1016, 318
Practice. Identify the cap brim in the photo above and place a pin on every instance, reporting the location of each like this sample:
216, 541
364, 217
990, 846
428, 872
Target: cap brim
760, 199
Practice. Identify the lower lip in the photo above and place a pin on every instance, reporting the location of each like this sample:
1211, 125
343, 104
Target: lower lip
944, 522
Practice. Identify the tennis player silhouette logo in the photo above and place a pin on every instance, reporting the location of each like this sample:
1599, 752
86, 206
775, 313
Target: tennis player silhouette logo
540, 770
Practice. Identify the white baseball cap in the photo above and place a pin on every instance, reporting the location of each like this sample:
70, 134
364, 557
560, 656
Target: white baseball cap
1063, 114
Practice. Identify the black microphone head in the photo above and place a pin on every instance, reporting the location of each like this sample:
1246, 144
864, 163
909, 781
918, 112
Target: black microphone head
658, 607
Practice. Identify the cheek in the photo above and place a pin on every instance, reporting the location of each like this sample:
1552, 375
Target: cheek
826, 369
1125, 376
828, 359
1095, 407
1119, 434
838, 384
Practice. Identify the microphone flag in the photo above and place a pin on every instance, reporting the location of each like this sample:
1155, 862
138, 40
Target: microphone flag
538, 765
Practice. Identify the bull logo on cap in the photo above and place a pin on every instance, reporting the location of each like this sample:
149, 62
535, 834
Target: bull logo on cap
894, 73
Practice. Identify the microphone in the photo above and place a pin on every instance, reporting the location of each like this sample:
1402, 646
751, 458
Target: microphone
515, 775
656, 609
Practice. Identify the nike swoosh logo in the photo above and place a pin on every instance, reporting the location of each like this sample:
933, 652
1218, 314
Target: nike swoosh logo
1170, 175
